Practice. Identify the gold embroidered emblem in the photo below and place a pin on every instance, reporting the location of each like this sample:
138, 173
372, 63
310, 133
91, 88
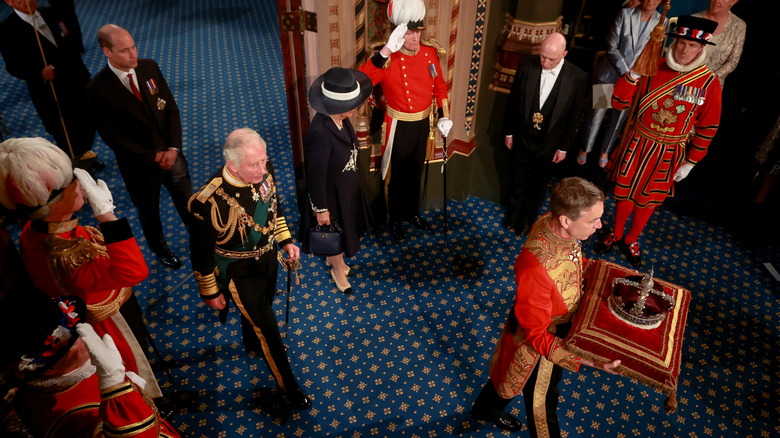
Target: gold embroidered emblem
668, 102
537, 118
664, 117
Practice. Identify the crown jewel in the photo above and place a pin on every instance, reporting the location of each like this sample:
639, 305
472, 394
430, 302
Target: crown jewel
636, 302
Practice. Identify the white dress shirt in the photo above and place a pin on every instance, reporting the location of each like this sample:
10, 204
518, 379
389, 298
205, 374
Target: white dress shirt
124, 78
548, 81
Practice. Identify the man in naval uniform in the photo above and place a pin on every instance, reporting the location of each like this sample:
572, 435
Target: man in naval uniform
413, 86
238, 224
530, 355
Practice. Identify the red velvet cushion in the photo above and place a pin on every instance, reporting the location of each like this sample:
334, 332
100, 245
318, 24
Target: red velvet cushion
651, 356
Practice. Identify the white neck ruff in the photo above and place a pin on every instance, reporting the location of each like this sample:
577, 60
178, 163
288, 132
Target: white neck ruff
674, 65
81, 373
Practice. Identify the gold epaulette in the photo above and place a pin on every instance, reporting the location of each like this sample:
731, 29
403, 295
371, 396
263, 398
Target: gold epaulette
209, 189
68, 255
432, 42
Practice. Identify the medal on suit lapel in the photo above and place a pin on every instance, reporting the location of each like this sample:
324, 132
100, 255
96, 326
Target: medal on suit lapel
63, 30
152, 87
537, 118
161, 104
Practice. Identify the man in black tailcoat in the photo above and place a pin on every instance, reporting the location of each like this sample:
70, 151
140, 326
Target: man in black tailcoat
542, 116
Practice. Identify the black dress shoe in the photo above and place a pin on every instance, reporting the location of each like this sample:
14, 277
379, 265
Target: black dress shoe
605, 244
298, 399
397, 230
632, 252
502, 421
169, 259
420, 223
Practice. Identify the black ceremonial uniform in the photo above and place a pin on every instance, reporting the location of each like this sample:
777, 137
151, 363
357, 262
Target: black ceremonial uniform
235, 232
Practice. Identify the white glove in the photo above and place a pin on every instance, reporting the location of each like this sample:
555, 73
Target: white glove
396, 40
444, 124
104, 355
97, 193
682, 172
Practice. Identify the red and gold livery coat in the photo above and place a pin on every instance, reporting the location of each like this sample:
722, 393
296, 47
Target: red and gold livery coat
67, 258
82, 410
677, 116
548, 274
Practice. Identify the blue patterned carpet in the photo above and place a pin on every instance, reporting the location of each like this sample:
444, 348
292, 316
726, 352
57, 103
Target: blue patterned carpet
406, 354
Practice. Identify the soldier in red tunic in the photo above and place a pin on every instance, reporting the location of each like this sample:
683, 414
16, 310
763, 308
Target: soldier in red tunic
677, 115
411, 78
530, 355
63, 257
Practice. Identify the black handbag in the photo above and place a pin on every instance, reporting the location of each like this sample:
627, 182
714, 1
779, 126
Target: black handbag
325, 240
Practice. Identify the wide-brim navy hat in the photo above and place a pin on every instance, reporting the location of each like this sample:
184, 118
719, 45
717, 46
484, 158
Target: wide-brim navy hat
694, 29
339, 90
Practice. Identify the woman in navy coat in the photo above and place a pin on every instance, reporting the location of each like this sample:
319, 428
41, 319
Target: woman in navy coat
330, 154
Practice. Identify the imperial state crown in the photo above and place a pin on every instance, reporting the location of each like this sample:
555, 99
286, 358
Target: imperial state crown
635, 301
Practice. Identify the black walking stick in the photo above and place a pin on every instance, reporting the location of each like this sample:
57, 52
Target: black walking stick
287, 311
290, 267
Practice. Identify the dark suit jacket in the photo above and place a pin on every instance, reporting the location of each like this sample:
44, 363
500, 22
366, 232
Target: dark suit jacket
22, 56
571, 100
135, 130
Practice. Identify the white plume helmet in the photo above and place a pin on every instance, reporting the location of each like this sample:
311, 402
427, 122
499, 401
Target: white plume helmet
406, 11
30, 169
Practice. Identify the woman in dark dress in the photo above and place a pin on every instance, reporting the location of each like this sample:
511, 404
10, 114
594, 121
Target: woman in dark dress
330, 153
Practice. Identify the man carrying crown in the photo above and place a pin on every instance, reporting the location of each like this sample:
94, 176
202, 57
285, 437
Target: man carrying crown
530, 355
411, 78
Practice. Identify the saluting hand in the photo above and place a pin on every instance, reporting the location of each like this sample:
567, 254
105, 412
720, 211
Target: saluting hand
396, 40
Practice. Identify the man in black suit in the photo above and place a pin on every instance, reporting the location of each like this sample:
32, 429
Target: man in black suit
542, 116
137, 117
58, 42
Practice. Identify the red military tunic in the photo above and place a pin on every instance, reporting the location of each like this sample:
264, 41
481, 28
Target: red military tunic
410, 82
99, 270
82, 410
548, 274
671, 104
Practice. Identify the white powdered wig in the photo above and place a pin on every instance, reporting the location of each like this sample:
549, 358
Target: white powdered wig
30, 169
404, 11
